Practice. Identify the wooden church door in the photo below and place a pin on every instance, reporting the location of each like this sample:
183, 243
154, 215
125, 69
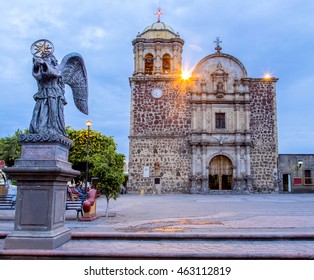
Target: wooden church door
220, 173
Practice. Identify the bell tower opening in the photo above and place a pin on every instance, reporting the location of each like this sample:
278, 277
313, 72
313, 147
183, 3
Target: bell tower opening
149, 64
220, 173
166, 63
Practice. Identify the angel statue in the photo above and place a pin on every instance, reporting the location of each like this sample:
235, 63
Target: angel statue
48, 114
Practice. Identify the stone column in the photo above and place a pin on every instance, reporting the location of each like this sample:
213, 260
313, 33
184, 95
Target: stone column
194, 154
194, 117
204, 169
204, 164
41, 173
140, 60
158, 63
205, 188
135, 52
247, 117
248, 160
237, 118
177, 57
238, 154
204, 115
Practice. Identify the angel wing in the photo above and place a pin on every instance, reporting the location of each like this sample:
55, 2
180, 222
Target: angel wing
74, 74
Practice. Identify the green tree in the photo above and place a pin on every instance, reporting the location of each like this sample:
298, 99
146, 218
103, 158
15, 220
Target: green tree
108, 167
98, 143
10, 149
104, 161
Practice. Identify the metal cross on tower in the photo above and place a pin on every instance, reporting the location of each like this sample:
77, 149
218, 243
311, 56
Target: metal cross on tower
159, 12
217, 42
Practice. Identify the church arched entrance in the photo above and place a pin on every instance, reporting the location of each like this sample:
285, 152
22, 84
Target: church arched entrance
220, 173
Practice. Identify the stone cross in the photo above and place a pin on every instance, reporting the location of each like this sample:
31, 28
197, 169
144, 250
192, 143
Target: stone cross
159, 13
217, 42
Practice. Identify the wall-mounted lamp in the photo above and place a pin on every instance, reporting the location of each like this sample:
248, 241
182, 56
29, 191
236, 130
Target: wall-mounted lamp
299, 164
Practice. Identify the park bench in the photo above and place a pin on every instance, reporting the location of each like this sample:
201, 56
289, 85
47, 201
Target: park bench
76, 204
7, 201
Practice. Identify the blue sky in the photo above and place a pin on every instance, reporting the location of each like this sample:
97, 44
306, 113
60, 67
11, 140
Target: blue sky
274, 36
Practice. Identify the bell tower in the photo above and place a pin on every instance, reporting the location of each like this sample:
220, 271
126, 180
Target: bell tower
213, 132
160, 114
157, 50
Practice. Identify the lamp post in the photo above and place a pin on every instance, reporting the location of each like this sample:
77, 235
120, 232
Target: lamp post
88, 124
299, 164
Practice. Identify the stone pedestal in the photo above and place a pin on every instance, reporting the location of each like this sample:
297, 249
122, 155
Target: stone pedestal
41, 173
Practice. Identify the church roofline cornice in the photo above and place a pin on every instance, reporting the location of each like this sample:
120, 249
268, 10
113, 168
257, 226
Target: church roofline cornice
155, 78
159, 136
233, 102
263, 80
156, 40
236, 132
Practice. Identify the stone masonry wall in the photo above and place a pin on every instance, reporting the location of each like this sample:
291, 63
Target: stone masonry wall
167, 159
263, 125
168, 115
159, 136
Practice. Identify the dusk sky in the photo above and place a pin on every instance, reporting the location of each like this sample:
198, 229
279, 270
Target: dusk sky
275, 36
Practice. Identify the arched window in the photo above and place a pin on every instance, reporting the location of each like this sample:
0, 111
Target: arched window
166, 63
149, 64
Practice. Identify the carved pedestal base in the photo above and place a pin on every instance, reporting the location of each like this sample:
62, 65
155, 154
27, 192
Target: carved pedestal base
41, 173
37, 240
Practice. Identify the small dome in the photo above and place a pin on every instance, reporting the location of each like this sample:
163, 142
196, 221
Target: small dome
159, 26
158, 30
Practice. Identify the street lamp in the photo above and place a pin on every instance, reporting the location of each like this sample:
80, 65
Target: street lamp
299, 164
88, 124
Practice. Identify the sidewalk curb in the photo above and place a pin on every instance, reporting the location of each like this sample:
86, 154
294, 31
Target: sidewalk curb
186, 236
189, 236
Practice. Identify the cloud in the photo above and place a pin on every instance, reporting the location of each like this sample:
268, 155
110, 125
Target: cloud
24, 21
265, 35
196, 48
91, 37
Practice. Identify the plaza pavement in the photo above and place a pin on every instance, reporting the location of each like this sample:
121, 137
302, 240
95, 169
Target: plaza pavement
257, 226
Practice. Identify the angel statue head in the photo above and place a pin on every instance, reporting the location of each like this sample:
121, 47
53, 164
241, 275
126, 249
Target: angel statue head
48, 114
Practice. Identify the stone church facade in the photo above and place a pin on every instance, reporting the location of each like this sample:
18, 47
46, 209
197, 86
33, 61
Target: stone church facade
213, 132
